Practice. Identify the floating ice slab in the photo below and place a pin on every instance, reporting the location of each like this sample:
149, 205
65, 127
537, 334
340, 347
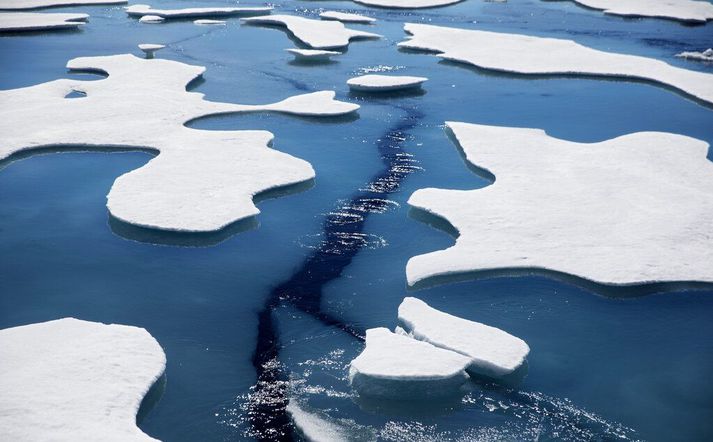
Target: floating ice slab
202, 180
151, 19
39, 21
633, 209
407, 4
149, 48
706, 55
141, 10
384, 83
312, 54
536, 55
208, 22
492, 352
317, 34
75, 380
37, 4
313, 427
398, 367
346, 17
683, 10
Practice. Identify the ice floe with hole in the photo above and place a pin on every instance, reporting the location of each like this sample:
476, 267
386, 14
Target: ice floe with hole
407, 4
18, 5
141, 10
523, 54
492, 352
40, 21
384, 83
202, 180
634, 209
346, 17
694, 11
706, 55
150, 48
151, 19
312, 54
208, 22
398, 367
317, 34
75, 380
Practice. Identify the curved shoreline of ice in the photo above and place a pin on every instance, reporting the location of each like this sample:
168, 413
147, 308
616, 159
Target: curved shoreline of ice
73, 380
384, 83
688, 11
40, 21
142, 10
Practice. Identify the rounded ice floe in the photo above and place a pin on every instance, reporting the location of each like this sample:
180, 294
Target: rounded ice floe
346, 17
692, 11
150, 49
17, 5
407, 4
141, 10
317, 34
208, 22
492, 352
524, 54
312, 54
706, 55
398, 367
384, 83
40, 21
630, 210
151, 19
75, 380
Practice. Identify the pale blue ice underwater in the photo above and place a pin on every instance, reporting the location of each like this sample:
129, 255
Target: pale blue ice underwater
601, 367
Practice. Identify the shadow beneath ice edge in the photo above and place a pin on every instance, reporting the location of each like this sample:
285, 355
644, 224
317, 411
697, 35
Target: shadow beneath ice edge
151, 399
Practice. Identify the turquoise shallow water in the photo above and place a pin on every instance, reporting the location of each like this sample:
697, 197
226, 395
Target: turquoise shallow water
601, 367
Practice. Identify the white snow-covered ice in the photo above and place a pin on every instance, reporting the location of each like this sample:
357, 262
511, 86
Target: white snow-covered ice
40, 21
208, 22
202, 180
706, 55
630, 210
18, 5
317, 34
312, 54
150, 48
151, 19
346, 17
394, 366
75, 380
384, 83
407, 4
492, 352
694, 11
538, 55
142, 10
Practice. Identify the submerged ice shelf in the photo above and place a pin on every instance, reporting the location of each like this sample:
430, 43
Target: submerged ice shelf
631, 210
201, 181
75, 380
40, 21
692, 11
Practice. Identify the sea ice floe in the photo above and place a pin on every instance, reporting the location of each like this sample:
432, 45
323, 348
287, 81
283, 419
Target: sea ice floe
538, 55
317, 34
40, 21
706, 55
141, 10
399, 367
208, 22
313, 427
150, 48
694, 11
202, 180
384, 83
37, 4
75, 380
312, 54
407, 4
630, 210
346, 17
151, 19
492, 352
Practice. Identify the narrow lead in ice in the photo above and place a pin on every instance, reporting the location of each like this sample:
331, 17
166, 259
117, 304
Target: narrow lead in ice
75, 380
545, 56
142, 10
492, 352
398, 367
346, 17
384, 83
40, 21
693, 11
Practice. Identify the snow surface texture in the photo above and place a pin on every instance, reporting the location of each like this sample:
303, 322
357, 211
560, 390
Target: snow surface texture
312, 54
37, 4
75, 380
536, 55
151, 19
407, 4
384, 83
706, 55
313, 427
141, 10
397, 366
693, 11
207, 22
201, 181
492, 352
39, 21
150, 49
317, 34
346, 17
630, 210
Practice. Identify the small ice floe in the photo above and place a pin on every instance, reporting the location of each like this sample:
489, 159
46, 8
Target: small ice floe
346, 17
151, 19
591, 211
208, 22
141, 10
524, 54
407, 4
691, 11
317, 34
492, 352
40, 21
384, 83
394, 366
706, 55
312, 54
313, 427
17, 5
75, 380
149, 48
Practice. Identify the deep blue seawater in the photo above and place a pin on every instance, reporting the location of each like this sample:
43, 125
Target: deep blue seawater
601, 367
